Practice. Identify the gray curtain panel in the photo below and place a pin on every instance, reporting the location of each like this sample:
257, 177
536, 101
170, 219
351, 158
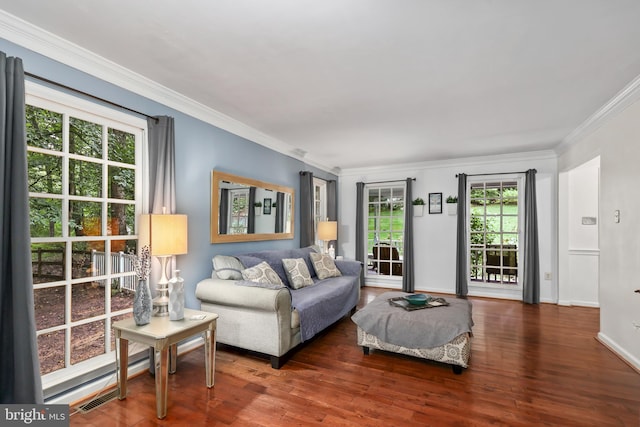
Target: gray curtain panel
20, 381
162, 165
332, 207
360, 221
332, 200
223, 211
462, 281
408, 279
162, 176
162, 186
531, 267
307, 229
279, 212
251, 226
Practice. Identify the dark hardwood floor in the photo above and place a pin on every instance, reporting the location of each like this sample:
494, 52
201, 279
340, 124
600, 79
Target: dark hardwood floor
530, 366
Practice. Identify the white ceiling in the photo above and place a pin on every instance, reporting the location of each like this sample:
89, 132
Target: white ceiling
358, 83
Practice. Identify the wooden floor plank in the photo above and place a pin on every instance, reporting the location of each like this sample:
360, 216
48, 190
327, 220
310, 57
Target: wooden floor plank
530, 365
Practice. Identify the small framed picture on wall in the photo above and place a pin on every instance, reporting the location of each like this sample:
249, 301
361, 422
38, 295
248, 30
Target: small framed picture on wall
267, 207
435, 203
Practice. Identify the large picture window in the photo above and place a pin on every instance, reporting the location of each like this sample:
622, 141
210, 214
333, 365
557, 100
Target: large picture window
385, 229
85, 186
494, 233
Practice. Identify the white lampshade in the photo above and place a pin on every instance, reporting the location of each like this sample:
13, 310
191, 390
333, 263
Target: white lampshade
164, 234
328, 230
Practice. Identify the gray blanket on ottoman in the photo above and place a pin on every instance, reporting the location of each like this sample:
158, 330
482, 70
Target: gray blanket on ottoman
426, 328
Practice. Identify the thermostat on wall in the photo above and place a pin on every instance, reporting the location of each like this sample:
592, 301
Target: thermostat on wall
589, 220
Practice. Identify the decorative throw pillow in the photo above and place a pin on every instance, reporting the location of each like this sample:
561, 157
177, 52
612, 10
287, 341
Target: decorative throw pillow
262, 273
227, 267
314, 248
324, 266
297, 272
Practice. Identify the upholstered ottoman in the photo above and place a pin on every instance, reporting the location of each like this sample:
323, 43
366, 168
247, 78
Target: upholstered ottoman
441, 334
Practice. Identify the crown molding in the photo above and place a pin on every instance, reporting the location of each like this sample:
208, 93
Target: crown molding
453, 163
54, 47
623, 99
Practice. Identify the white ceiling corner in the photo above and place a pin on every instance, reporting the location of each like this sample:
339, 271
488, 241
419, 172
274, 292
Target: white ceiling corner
623, 99
34, 38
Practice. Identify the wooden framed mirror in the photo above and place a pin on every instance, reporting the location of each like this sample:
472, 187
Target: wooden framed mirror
239, 211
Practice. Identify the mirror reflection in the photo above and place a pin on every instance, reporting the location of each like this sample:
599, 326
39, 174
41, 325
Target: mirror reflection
244, 209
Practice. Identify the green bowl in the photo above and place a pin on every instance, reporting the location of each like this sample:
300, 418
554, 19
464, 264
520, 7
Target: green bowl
417, 299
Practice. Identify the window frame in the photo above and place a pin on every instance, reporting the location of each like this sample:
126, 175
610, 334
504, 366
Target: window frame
239, 193
502, 178
319, 207
376, 277
68, 105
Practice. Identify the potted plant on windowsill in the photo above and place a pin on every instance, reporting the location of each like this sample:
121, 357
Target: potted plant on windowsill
258, 208
452, 205
418, 206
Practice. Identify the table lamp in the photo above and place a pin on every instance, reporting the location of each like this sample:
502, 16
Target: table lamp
327, 231
166, 235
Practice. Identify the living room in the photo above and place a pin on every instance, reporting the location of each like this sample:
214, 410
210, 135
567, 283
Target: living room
577, 268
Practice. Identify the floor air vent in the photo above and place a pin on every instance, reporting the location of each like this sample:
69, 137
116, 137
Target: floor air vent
98, 401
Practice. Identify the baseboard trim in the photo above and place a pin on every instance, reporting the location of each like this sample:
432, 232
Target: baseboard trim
438, 290
570, 303
104, 383
624, 355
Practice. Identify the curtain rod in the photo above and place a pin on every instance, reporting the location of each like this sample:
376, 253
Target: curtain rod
387, 182
496, 173
35, 76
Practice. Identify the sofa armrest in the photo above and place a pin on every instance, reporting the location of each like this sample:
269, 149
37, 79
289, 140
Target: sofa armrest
226, 292
349, 267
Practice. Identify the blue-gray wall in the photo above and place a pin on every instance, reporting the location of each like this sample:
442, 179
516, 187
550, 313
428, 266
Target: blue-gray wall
200, 148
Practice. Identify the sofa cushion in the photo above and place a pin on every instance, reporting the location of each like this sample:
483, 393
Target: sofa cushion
324, 303
314, 248
297, 272
249, 261
324, 266
227, 267
266, 285
275, 257
261, 273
